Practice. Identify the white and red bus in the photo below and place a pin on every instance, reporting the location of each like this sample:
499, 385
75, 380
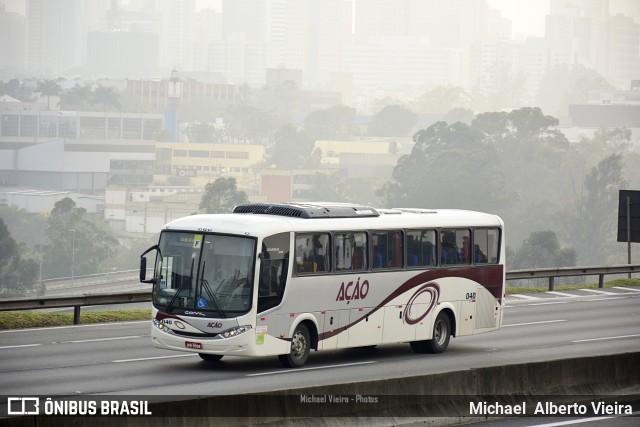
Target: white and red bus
283, 279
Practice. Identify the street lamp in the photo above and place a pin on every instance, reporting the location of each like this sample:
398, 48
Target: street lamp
109, 249
73, 253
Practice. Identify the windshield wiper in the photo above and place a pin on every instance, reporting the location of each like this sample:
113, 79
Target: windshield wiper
212, 296
182, 286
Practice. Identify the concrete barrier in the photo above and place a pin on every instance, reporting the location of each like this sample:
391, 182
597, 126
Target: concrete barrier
438, 399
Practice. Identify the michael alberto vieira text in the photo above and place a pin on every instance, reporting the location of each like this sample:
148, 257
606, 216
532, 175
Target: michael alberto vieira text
550, 408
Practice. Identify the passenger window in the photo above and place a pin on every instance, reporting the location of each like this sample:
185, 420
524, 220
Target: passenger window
387, 249
350, 250
312, 253
421, 248
486, 244
455, 246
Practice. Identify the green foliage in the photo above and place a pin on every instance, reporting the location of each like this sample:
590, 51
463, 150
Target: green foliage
589, 219
48, 88
392, 120
221, 196
568, 84
76, 98
292, 149
15, 89
441, 99
106, 96
333, 123
36, 319
542, 250
77, 245
17, 273
449, 166
249, 124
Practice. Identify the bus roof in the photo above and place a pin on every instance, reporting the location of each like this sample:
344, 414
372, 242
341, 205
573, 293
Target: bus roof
268, 219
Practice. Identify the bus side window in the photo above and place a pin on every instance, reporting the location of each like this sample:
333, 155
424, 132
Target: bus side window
312, 253
351, 251
387, 249
485, 249
421, 248
455, 246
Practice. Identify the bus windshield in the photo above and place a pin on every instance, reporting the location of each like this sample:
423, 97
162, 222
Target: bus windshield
209, 273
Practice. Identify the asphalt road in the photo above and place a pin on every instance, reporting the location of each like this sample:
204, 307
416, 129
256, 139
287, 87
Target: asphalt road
118, 358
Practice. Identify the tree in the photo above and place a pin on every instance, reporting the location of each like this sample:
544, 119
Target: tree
589, 220
251, 124
292, 149
330, 124
442, 98
450, 166
76, 98
15, 89
541, 249
17, 274
392, 120
106, 96
77, 245
221, 196
48, 88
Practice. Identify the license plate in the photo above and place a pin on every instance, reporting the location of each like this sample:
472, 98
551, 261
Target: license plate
195, 345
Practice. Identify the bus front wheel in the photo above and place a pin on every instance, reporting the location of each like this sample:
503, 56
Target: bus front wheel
440, 337
300, 344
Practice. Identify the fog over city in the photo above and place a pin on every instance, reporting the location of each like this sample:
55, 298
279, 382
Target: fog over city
118, 116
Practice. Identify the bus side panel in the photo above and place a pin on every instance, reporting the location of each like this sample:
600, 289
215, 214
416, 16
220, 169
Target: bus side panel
488, 311
333, 324
269, 334
425, 326
368, 329
467, 317
396, 329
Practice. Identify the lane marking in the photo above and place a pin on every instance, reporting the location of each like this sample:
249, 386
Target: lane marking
153, 358
626, 289
104, 339
582, 420
595, 291
104, 325
290, 371
608, 338
603, 299
562, 294
522, 296
534, 323
19, 346
572, 422
542, 303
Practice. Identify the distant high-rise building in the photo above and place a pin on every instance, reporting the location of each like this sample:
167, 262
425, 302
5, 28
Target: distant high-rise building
122, 54
175, 32
55, 40
12, 41
623, 51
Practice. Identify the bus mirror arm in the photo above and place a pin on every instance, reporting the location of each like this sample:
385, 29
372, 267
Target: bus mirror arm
143, 265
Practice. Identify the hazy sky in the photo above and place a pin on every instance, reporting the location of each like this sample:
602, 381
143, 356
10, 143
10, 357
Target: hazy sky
527, 15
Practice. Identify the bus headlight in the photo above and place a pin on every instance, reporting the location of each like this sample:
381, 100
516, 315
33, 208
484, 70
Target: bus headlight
160, 325
234, 331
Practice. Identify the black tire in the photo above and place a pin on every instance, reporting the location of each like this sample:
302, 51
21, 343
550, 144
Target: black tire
210, 357
300, 346
440, 337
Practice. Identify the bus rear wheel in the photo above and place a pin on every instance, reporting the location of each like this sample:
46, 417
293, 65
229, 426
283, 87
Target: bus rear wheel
210, 357
440, 337
300, 345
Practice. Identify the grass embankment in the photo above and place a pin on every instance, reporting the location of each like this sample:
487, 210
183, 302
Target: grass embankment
36, 319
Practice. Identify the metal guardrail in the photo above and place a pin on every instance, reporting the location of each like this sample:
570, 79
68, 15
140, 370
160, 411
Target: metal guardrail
145, 296
552, 273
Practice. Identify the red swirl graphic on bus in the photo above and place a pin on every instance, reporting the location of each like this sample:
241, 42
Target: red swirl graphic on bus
433, 290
